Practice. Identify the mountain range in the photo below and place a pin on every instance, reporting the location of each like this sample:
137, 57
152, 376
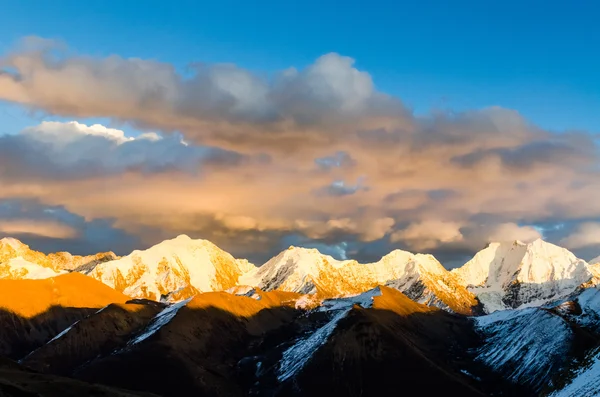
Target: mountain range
186, 318
501, 276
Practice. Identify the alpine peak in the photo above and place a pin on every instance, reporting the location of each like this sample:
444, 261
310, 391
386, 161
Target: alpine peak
174, 270
510, 275
306, 271
13, 243
18, 261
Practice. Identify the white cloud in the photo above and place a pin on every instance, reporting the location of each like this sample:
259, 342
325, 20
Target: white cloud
59, 134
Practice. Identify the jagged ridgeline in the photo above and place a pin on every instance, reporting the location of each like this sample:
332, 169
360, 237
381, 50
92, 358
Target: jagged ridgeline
187, 318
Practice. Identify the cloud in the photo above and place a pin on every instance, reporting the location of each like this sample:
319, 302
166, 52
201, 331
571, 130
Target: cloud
37, 228
317, 154
219, 103
59, 150
428, 234
53, 228
338, 160
340, 188
511, 231
586, 234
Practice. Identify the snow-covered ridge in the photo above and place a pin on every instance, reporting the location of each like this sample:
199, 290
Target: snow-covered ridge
501, 276
511, 275
586, 382
178, 268
18, 261
307, 271
527, 346
160, 320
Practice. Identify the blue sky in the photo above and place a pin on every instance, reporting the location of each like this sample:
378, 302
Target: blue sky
539, 57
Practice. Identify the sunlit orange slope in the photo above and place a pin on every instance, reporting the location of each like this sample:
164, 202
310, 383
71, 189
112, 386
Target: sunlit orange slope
28, 298
394, 300
243, 306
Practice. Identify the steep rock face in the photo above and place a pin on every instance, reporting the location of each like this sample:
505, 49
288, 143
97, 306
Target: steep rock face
421, 277
18, 261
512, 275
174, 270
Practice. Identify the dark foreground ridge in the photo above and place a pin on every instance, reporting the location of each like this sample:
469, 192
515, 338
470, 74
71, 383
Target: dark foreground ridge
219, 344
228, 347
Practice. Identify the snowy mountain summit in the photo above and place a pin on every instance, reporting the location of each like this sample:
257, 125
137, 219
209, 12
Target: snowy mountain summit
172, 270
513, 275
18, 261
421, 277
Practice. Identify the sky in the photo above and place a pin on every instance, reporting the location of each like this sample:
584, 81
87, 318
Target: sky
433, 127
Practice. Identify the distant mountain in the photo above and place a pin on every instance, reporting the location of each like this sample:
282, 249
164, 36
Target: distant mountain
172, 270
18, 261
307, 271
512, 275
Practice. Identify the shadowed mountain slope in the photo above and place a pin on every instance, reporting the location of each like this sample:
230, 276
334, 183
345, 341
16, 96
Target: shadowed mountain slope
34, 311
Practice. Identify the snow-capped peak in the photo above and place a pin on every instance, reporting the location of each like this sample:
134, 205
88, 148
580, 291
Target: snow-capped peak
293, 269
308, 271
178, 268
13, 243
513, 274
18, 261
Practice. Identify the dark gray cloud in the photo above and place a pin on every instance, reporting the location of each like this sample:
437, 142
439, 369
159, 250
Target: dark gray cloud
50, 229
565, 151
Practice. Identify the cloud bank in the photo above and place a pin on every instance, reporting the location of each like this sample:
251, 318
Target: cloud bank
316, 155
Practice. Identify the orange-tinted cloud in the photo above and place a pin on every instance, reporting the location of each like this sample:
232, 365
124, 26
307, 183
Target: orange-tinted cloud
318, 152
37, 228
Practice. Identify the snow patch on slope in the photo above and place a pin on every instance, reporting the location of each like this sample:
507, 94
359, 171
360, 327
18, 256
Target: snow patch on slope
159, 321
296, 357
365, 300
586, 382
